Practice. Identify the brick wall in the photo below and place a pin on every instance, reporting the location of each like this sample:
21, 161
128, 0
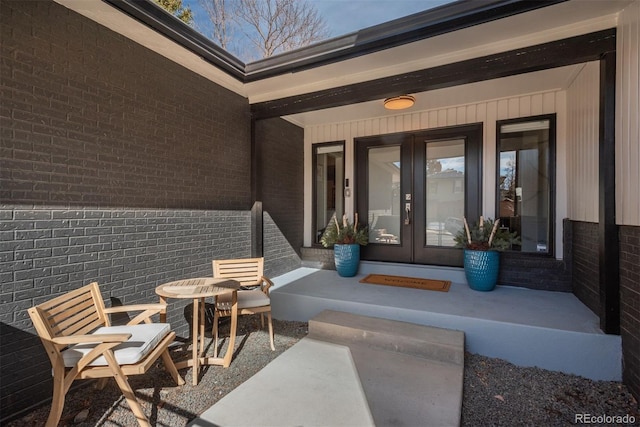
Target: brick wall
46, 252
89, 118
116, 165
630, 306
586, 288
283, 179
539, 272
279, 255
586, 281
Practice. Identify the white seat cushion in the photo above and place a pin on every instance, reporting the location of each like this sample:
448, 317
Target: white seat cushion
246, 299
144, 338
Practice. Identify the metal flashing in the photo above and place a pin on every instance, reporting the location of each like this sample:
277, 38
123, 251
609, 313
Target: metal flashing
171, 27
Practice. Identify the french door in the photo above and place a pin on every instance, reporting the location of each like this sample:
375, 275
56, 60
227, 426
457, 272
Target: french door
415, 189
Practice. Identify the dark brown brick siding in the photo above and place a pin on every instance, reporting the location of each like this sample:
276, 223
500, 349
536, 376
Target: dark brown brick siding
586, 282
586, 288
534, 271
283, 176
90, 118
630, 306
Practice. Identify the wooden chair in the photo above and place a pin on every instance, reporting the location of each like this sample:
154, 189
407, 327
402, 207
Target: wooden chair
76, 333
253, 297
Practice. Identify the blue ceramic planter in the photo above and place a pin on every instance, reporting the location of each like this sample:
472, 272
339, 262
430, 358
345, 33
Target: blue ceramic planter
347, 258
481, 269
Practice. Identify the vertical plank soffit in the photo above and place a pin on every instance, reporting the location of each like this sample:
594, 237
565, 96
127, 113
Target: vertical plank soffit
608, 239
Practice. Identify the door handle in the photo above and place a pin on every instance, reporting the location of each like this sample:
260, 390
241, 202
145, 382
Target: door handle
407, 211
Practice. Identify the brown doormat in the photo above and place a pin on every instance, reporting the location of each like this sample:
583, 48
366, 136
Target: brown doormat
408, 282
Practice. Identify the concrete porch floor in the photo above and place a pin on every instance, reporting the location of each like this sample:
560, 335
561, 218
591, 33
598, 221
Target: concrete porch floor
551, 330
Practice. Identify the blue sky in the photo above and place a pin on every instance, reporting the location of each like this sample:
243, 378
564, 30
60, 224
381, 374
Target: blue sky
346, 16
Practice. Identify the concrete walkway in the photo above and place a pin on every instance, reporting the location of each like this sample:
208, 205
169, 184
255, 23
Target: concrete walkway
353, 371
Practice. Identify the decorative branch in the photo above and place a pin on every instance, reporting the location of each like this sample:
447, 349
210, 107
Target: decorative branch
466, 227
493, 232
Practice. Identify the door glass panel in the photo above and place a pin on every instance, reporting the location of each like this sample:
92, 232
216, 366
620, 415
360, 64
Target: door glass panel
384, 195
328, 189
525, 183
444, 187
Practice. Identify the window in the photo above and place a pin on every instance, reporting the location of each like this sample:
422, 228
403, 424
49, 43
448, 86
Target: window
526, 172
328, 188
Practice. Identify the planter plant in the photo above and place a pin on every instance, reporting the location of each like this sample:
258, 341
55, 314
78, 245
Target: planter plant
346, 241
482, 243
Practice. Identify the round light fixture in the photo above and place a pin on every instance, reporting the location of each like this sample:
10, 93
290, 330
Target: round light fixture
399, 102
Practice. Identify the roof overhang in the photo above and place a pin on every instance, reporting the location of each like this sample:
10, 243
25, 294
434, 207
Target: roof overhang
453, 33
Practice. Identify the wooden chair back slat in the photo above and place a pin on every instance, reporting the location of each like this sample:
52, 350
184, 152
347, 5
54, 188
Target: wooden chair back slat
67, 303
73, 313
56, 317
66, 300
82, 322
245, 271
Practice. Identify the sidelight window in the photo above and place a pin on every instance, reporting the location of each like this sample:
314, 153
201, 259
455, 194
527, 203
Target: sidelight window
526, 159
328, 189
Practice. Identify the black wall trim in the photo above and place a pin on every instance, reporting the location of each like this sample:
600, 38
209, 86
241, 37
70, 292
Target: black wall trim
608, 242
574, 50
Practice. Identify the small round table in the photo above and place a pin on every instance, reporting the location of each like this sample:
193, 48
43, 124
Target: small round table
198, 289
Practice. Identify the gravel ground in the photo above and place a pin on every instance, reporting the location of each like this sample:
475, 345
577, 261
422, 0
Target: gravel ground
496, 393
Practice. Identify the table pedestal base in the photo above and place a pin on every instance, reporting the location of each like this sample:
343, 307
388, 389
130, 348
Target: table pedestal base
197, 332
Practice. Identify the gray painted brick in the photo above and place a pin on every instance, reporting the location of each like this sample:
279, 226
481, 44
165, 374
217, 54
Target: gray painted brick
31, 215
50, 243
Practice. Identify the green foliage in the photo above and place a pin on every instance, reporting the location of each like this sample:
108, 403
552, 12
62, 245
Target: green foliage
176, 8
480, 235
346, 234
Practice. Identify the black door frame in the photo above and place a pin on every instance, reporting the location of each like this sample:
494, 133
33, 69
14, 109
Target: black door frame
472, 134
412, 247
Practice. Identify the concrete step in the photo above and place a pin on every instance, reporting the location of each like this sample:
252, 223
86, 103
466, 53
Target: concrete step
438, 344
353, 371
411, 374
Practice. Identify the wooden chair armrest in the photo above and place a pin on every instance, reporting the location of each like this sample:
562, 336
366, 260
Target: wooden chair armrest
147, 310
266, 284
135, 307
91, 338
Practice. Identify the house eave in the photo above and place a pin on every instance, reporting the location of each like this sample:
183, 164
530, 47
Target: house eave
430, 23
423, 25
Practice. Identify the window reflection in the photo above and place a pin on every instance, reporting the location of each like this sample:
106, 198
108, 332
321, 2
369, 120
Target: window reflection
384, 195
524, 185
445, 191
328, 190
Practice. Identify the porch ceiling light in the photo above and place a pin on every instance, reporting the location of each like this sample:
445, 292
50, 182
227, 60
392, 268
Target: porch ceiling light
399, 102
